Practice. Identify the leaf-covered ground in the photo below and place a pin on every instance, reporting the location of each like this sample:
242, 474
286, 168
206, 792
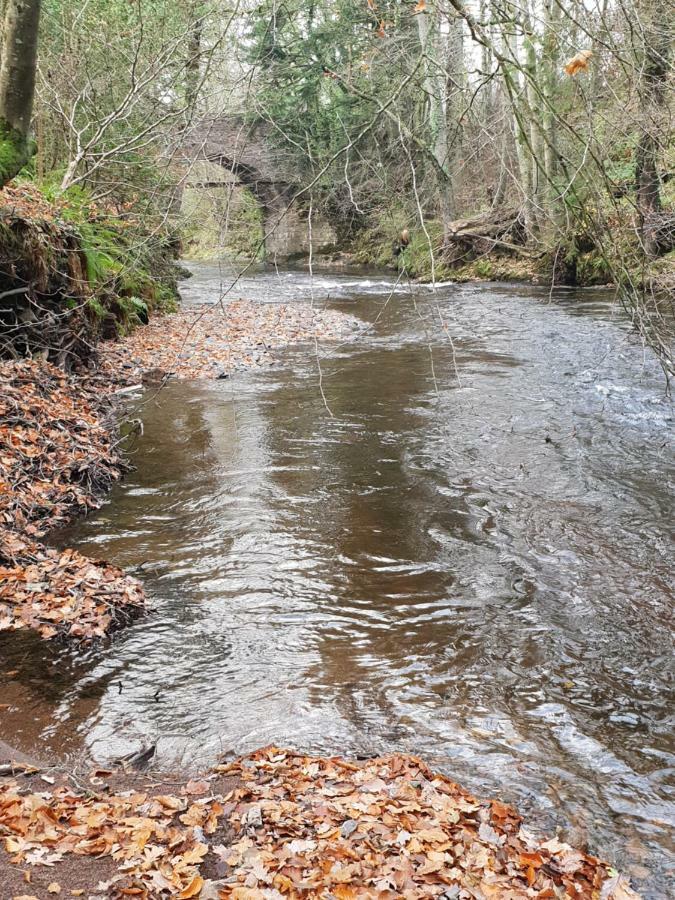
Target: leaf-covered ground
62, 593
56, 451
57, 456
279, 824
215, 341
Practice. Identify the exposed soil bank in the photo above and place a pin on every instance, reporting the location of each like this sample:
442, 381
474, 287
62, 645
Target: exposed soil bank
279, 824
73, 271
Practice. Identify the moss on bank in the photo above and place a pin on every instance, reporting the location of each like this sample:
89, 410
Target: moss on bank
15, 151
422, 258
73, 271
580, 260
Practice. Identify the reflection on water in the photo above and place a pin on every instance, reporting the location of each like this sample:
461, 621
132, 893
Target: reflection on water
468, 561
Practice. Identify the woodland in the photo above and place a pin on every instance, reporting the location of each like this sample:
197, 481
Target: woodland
527, 140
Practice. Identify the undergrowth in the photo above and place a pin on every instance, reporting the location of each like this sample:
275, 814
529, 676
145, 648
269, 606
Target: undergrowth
75, 270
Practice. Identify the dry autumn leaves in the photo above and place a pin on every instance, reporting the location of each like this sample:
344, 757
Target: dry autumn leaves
56, 452
56, 458
215, 341
62, 593
295, 826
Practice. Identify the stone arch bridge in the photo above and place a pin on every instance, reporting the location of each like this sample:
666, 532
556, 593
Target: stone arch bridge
245, 151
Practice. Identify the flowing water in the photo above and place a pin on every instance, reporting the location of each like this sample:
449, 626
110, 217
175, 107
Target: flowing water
448, 536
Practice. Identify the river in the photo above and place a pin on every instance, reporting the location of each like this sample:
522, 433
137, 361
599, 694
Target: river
448, 536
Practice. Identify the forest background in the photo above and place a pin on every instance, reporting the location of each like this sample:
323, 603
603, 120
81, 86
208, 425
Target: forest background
491, 139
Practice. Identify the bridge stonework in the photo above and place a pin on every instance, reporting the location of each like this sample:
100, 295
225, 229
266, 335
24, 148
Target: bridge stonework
246, 151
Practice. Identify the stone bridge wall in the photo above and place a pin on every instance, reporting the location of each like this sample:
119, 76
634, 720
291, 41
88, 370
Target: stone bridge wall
247, 152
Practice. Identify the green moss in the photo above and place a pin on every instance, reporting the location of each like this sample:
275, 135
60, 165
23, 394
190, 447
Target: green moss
219, 221
592, 268
15, 152
131, 312
483, 268
97, 309
417, 259
123, 268
374, 245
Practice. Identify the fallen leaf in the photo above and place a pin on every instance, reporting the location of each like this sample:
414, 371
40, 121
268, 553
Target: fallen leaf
578, 63
193, 889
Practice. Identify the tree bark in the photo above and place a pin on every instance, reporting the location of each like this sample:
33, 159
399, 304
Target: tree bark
550, 65
657, 39
193, 64
443, 52
516, 90
17, 84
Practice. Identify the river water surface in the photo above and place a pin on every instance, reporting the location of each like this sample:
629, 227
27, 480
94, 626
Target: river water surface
448, 536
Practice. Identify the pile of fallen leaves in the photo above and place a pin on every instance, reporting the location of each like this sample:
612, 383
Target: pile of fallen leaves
298, 826
389, 828
56, 457
157, 841
214, 341
62, 593
28, 202
56, 453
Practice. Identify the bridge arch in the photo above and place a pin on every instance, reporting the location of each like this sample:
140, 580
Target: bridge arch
245, 151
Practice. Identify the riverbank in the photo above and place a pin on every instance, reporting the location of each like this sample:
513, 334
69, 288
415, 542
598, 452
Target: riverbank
490, 247
59, 451
58, 457
74, 271
217, 340
280, 824
78, 281
377, 840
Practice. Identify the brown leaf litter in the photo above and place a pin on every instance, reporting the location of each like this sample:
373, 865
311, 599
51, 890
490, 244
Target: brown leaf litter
56, 450
215, 341
290, 826
57, 456
63, 593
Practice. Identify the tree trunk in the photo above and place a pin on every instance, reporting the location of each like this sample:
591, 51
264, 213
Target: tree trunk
17, 84
516, 91
657, 38
454, 112
532, 109
442, 102
550, 64
193, 64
